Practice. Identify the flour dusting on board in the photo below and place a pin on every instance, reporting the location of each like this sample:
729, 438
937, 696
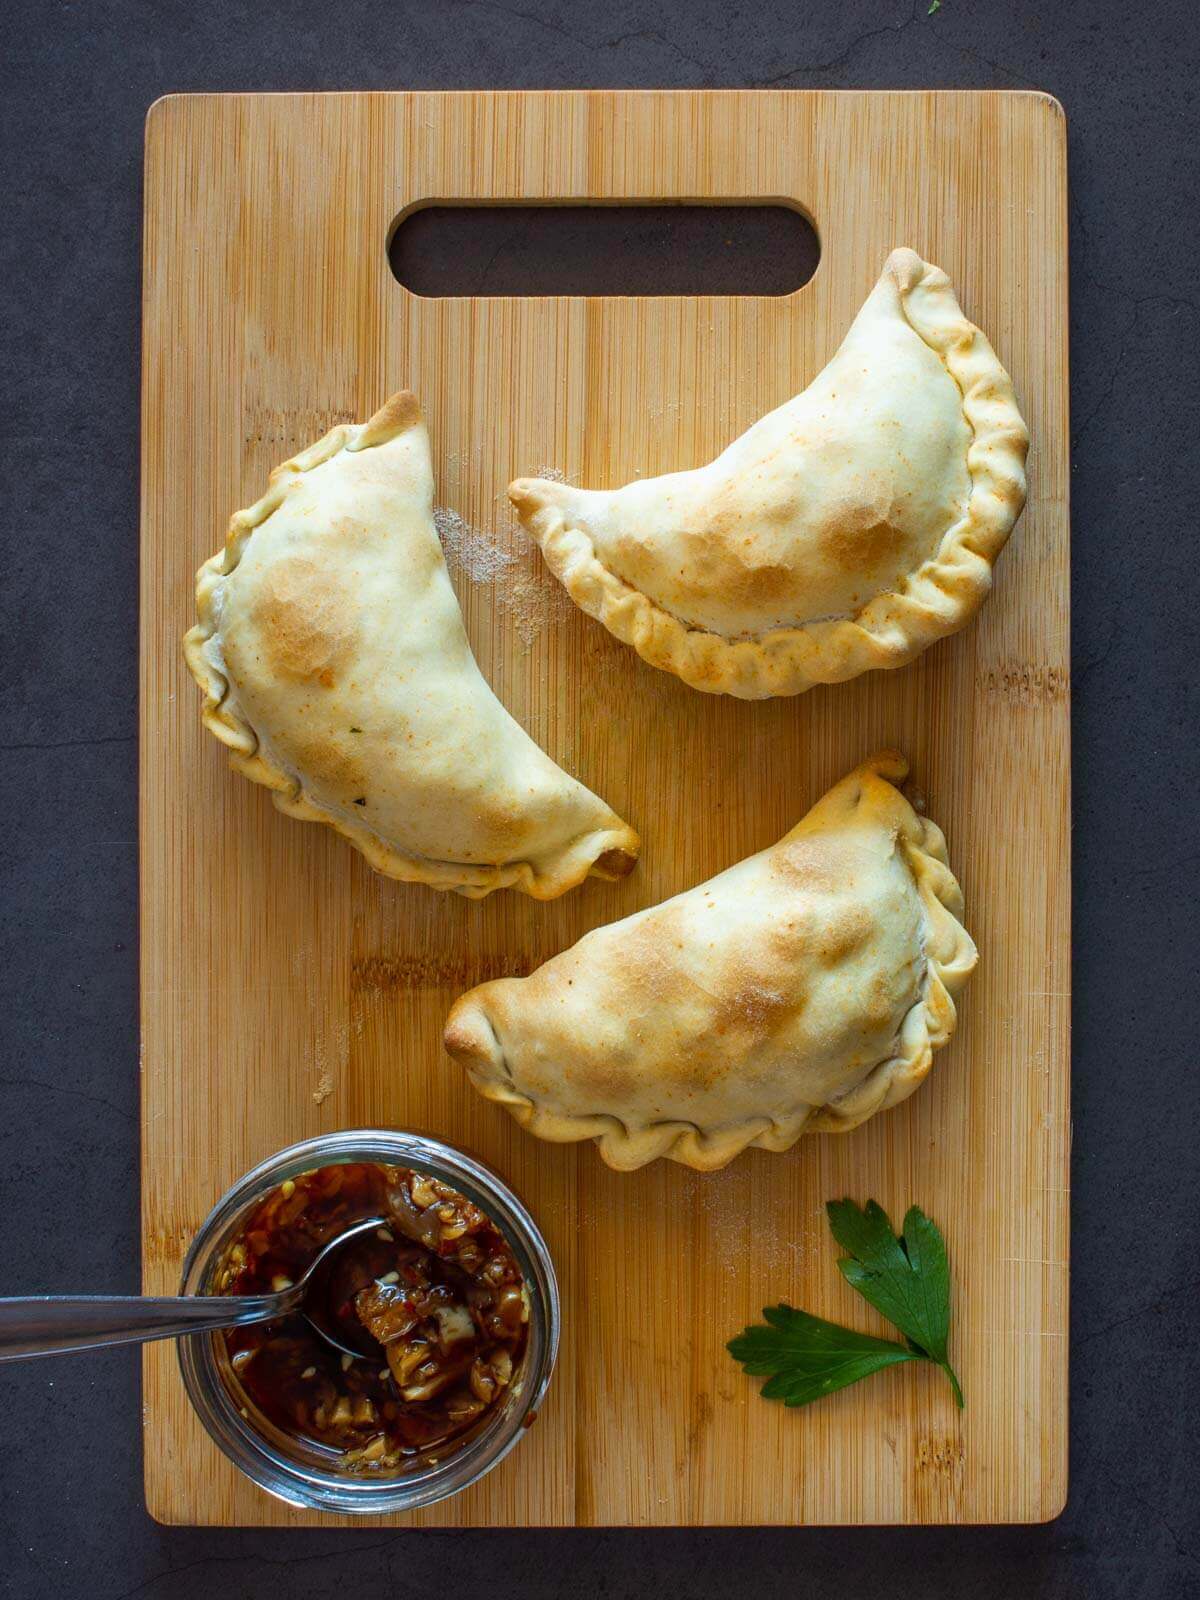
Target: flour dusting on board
723, 1213
531, 598
470, 549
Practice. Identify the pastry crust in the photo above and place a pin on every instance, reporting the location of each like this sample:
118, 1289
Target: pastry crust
846, 531
336, 668
805, 988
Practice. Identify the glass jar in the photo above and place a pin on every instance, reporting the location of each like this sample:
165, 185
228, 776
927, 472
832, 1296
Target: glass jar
303, 1473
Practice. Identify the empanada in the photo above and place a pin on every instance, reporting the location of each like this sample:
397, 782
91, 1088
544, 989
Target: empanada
846, 530
804, 988
335, 665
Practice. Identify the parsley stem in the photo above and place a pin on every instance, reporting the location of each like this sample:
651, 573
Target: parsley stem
954, 1383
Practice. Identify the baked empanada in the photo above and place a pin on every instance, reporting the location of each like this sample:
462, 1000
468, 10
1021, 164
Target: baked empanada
804, 988
846, 530
335, 665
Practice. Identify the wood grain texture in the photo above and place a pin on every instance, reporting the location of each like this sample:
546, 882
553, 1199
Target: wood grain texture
287, 990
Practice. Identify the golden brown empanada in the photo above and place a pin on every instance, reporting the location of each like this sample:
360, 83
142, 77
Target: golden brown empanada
335, 665
846, 530
804, 988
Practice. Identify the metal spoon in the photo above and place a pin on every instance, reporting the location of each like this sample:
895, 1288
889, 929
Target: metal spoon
46, 1324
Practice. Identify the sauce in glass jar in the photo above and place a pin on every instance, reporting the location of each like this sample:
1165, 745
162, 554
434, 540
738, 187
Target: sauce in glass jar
434, 1299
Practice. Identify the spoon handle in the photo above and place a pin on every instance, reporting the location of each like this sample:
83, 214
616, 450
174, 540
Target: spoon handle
42, 1325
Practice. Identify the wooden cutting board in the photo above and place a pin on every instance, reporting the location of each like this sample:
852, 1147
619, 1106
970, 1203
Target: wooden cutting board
286, 990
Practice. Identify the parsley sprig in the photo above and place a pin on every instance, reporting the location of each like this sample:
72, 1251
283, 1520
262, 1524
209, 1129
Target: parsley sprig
906, 1277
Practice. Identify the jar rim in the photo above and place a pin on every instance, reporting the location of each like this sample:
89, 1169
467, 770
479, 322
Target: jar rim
304, 1484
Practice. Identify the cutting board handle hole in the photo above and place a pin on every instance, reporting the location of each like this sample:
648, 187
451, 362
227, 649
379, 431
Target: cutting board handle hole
482, 250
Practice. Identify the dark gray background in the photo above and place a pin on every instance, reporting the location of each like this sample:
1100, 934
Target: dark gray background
76, 82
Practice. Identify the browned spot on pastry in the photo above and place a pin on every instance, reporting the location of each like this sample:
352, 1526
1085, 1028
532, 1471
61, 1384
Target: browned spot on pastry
462, 1042
738, 557
878, 998
604, 1083
308, 629
842, 934
395, 415
747, 1006
330, 764
448, 970
861, 539
505, 826
762, 585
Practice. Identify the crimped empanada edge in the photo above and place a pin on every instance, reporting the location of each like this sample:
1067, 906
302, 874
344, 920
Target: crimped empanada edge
250, 755
950, 957
894, 627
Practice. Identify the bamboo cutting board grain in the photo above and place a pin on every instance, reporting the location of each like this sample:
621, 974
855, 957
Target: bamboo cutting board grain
286, 990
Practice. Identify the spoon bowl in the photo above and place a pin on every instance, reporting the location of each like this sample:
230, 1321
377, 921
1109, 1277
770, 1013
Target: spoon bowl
312, 1295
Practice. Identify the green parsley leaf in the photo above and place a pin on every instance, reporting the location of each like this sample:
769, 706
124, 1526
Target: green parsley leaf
936, 6
804, 1357
906, 1278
